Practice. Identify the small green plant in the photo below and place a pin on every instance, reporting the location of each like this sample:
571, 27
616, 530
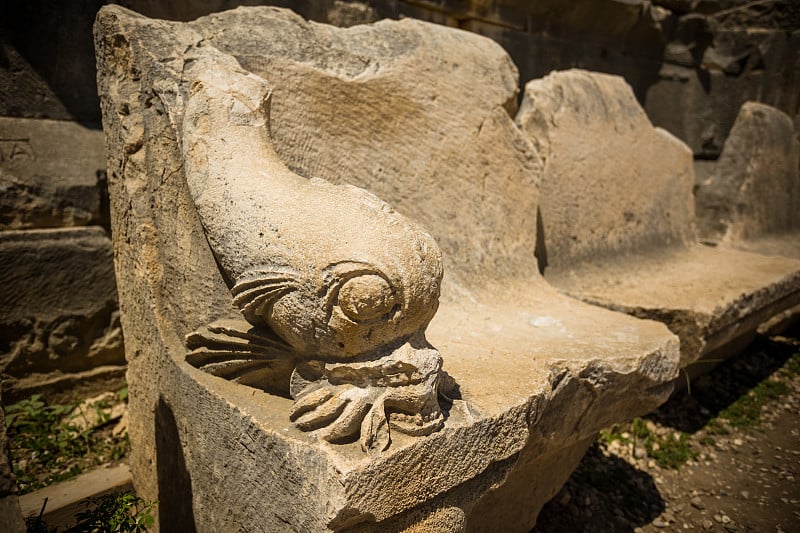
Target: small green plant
606, 437
48, 444
746, 411
115, 512
669, 451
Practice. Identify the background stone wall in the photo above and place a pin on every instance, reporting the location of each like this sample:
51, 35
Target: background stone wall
691, 63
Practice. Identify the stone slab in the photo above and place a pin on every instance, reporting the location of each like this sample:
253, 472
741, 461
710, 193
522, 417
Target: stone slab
709, 297
52, 173
59, 302
611, 183
618, 218
62, 501
537, 373
786, 245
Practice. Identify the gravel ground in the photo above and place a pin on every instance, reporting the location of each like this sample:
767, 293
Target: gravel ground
722, 456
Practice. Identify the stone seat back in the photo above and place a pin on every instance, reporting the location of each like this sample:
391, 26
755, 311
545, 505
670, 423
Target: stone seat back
612, 183
751, 198
617, 221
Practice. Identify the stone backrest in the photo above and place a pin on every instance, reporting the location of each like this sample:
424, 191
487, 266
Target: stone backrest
440, 145
611, 181
754, 188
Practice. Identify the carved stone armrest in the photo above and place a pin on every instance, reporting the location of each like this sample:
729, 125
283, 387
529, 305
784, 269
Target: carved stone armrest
334, 286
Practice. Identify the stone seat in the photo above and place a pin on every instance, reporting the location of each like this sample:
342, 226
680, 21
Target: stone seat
419, 115
750, 199
618, 224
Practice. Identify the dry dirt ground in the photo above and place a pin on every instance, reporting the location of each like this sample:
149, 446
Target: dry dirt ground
723, 455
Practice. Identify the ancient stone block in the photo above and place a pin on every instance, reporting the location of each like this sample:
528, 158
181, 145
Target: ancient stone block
207, 122
52, 173
59, 303
697, 96
754, 188
617, 219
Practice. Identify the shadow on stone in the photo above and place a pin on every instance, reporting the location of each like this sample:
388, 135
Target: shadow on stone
174, 485
586, 501
541, 244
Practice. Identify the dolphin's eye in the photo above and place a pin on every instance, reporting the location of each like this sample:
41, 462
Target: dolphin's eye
366, 297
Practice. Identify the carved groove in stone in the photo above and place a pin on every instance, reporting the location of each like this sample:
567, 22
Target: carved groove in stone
335, 287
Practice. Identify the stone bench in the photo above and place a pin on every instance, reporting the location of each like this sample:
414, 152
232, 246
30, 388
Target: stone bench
750, 199
618, 223
262, 424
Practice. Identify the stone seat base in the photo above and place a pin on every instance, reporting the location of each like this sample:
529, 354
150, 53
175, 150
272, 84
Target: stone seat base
581, 366
538, 375
710, 297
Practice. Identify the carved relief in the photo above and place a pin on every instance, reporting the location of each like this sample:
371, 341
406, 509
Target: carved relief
15, 151
335, 288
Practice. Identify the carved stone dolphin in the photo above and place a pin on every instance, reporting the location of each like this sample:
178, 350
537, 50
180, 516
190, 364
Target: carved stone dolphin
336, 274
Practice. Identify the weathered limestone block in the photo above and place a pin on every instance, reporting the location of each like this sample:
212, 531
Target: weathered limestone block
618, 219
752, 196
52, 173
623, 37
713, 63
59, 304
255, 390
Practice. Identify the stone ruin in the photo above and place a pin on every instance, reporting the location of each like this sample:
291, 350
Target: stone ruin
690, 64
329, 244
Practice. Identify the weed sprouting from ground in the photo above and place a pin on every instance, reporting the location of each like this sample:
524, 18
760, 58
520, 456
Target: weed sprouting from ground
746, 411
116, 512
667, 450
671, 449
49, 444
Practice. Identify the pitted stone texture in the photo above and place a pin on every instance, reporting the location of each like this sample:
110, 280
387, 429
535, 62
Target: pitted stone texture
753, 191
380, 107
52, 173
618, 219
59, 303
